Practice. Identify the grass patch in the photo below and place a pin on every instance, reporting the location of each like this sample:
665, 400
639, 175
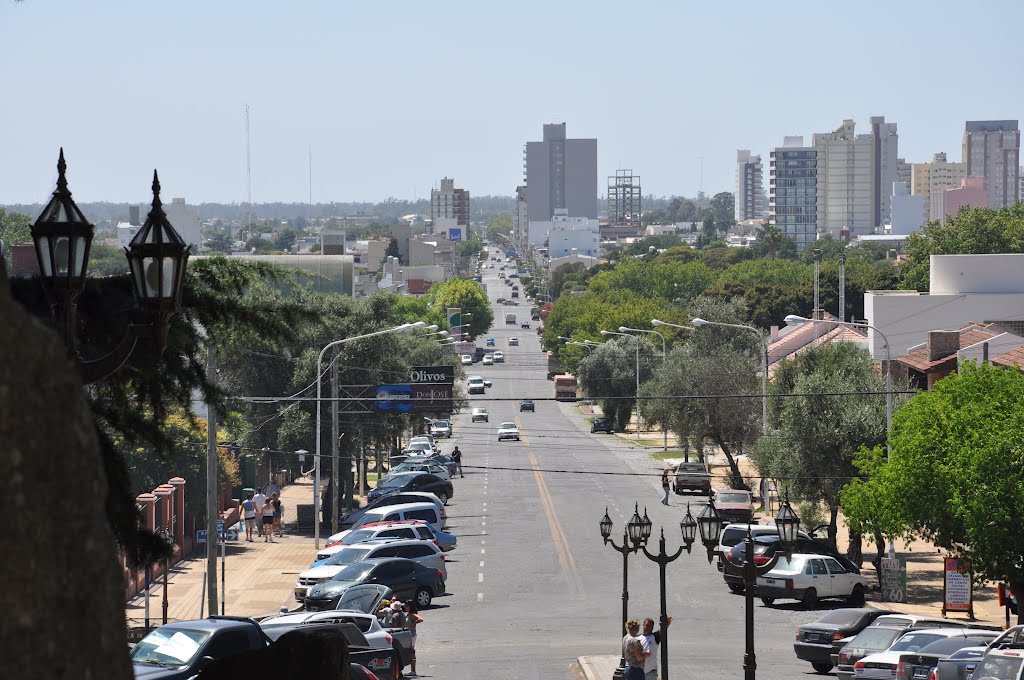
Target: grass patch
665, 455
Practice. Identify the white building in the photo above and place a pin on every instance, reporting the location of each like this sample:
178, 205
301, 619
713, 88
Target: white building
908, 212
660, 230
749, 186
186, 222
963, 289
539, 230
573, 258
126, 232
563, 241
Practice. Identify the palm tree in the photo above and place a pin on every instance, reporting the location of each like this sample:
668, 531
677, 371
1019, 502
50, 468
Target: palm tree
771, 237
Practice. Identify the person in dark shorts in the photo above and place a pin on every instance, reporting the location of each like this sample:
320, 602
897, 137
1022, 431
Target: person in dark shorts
278, 513
268, 521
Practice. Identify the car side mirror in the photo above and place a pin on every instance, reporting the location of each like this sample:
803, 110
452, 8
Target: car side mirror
203, 663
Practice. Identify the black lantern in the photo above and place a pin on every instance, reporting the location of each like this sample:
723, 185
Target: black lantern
789, 526
645, 533
710, 524
606, 526
689, 528
635, 528
157, 256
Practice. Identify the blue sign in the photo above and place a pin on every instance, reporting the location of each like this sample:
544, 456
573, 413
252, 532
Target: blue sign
455, 235
225, 534
393, 398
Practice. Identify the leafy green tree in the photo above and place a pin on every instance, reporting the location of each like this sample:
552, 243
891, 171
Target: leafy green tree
680, 254
15, 229
107, 260
498, 227
956, 474
643, 246
220, 243
609, 374
467, 295
723, 206
770, 237
565, 273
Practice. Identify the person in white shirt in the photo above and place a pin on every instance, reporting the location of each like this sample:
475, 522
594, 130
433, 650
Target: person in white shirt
249, 515
260, 499
649, 641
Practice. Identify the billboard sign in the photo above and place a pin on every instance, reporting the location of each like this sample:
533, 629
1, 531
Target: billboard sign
393, 398
419, 398
455, 235
455, 323
432, 374
465, 348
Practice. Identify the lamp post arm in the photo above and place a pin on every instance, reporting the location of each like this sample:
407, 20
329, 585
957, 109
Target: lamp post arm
94, 370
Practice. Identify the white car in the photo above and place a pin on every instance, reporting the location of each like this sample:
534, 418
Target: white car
499, 358
809, 578
441, 428
424, 552
467, 360
275, 626
882, 666
513, 341
479, 414
421, 448
488, 360
508, 431
374, 532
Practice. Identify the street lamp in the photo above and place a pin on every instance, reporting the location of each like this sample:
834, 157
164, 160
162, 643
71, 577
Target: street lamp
319, 387
698, 322
584, 344
157, 256
632, 541
627, 329
710, 524
795, 319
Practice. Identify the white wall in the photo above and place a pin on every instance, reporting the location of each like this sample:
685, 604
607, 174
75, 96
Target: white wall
539, 229
908, 212
185, 221
562, 241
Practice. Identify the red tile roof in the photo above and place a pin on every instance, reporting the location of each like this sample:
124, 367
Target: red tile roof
970, 334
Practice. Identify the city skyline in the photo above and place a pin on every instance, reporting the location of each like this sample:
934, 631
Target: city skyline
357, 85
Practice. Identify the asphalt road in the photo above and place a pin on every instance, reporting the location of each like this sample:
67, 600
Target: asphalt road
531, 585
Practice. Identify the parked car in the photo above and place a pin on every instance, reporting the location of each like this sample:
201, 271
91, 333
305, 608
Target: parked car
601, 424
809, 578
488, 360
441, 428
377, 639
445, 461
735, 505
878, 636
920, 665
379, 655
959, 665
400, 498
415, 465
883, 665
692, 476
467, 359
414, 481
427, 512
424, 552
499, 357
419, 447
817, 641
766, 546
413, 529
526, 405
479, 415
425, 437
408, 580
508, 430
180, 650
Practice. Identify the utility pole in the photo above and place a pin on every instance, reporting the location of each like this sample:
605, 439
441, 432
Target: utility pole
335, 489
212, 535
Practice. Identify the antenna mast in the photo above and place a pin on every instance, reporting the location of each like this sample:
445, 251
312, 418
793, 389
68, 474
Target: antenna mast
248, 166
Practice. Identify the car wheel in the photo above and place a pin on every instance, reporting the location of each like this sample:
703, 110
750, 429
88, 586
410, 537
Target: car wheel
821, 666
736, 588
768, 601
810, 598
856, 598
423, 597
517, 438
443, 497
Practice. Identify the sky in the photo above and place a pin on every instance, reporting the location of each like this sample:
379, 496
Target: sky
388, 97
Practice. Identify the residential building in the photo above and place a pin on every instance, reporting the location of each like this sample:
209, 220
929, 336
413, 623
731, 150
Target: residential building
624, 198
564, 240
992, 152
186, 222
971, 193
573, 258
449, 211
561, 174
520, 219
944, 351
908, 212
333, 242
539, 230
749, 186
660, 230
793, 340
929, 179
904, 172
793, 187
963, 289
855, 176
432, 251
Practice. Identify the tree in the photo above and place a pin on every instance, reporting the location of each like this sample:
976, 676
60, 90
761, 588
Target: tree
642, 246
564, 274
956, 474
498, 227
392, 250
723, 205
817, 437
107, 260
15, 229
469, 296
770, 238
609, 374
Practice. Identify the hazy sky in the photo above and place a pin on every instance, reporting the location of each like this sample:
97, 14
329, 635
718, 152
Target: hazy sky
392, 96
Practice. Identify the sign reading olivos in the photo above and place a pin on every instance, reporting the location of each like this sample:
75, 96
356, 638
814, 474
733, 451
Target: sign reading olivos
432, 374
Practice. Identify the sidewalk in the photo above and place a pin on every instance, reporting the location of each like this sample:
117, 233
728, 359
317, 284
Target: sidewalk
259, 576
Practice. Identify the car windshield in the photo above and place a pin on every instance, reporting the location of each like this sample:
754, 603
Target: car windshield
912, 642
841, 617
169, 647
347, 555
358, 536
732, 498
999, 668
394, 482
874, 638
354, 572
508, 426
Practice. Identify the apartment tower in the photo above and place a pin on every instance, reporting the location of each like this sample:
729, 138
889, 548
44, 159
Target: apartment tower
561, 174
749, 187
992, 152
449, 210
793, 190
931, 179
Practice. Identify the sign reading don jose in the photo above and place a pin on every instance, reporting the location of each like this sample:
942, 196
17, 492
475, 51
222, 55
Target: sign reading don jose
432, 374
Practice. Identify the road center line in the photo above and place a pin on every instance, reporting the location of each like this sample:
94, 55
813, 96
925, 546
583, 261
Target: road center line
557, 535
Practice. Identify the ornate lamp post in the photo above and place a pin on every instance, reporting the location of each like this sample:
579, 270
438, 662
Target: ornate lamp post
710, 524
157, 257
634, 536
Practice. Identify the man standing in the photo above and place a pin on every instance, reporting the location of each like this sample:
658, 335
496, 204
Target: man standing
260, 499
665, 485
457, 457
632, 651
649, 641
249, 515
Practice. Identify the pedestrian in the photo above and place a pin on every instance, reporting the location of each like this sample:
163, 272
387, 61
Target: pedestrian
278, 513
268, 521
664, 485
249, 515
273, 488
260, 499
457, 457
412, 614
649, 641
632, 651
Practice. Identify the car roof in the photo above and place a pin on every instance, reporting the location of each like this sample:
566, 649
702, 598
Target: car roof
900, 620
398, 541
394, 522
303, 617
409, 506
213, 623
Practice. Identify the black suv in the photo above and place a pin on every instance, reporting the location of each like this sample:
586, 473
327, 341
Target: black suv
157, 657
526, 405
601, 425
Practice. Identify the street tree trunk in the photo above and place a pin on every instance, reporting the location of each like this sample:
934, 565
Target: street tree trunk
833, 526
855, 549
735, 477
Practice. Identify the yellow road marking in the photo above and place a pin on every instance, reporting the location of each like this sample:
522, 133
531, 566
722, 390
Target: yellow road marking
565, 557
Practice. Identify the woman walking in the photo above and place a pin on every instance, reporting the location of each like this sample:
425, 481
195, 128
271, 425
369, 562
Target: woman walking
413, 618
268, 521
664, 485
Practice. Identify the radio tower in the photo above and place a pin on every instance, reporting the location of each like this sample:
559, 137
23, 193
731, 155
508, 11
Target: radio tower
248, 167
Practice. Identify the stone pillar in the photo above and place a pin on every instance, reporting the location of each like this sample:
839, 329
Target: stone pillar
178, 521
147, 506
165, 492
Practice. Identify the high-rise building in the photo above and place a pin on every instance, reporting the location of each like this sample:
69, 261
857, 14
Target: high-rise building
992, 152
624, 198
855, 177
793, 187
520, 219
449, 211
931, 179
904, 173
749, 186
561, 174
972, 193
